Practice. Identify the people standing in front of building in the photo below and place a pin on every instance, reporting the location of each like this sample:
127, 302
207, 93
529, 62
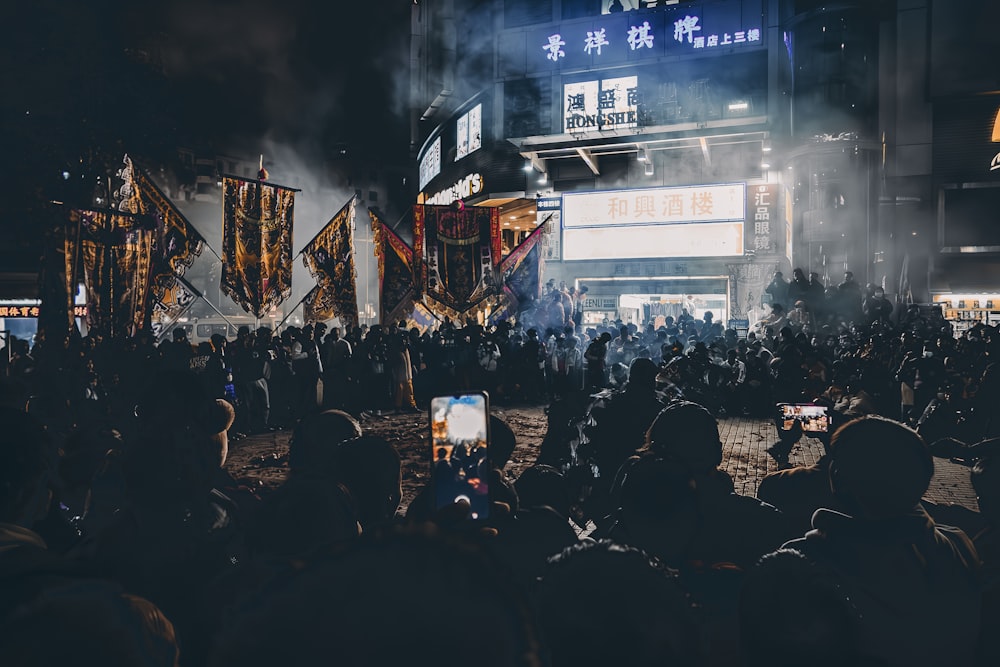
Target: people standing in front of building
778, 289
798, 288
335, 353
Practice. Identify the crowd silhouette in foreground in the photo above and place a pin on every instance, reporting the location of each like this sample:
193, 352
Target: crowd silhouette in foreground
124, 540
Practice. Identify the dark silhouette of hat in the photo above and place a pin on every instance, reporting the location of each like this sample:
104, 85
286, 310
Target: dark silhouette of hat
688, 433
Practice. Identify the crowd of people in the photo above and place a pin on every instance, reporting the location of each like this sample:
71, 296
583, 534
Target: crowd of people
124, 540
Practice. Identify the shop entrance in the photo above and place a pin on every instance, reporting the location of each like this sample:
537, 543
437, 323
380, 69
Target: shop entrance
643, 309
651, 302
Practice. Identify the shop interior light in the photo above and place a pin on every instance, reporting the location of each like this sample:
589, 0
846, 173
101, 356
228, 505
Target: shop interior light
739, 105
527, 166
648, 169
643, 155
765, 165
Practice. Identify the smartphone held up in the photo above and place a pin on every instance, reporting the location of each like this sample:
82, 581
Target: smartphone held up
811, 418
460, 465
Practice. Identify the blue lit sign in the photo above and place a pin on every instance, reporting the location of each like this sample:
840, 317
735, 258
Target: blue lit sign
636, 35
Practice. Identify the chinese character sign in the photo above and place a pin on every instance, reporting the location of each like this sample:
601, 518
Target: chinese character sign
762, 218
554, 48
705, 203
696, 221
608, 104
692, 29
549, 214
686, 28
469, 131
640, 36
430, 163
595, 40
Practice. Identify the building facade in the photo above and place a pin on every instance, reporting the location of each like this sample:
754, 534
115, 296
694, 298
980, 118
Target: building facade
681, 152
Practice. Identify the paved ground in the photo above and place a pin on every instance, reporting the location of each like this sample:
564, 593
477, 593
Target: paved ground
745, 441
745, 458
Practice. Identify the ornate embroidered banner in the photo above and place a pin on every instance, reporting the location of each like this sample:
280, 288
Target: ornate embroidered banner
112, 252
330, 259
256, 243
395, 272
176, 243
456, 253
521, 272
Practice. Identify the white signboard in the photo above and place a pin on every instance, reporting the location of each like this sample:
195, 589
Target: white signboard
712, 239
616, 208
696, 221
609, 104
788, 225
430, 164
552, 220
470, 132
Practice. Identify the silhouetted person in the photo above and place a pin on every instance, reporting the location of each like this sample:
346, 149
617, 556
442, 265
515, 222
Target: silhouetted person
778, 289
914, 584
336, 610
794, 612
732, 528
630, 610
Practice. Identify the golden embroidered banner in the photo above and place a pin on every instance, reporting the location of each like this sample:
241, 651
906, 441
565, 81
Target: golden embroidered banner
256, 243
395, 272
111, 251
176, 242
330, 259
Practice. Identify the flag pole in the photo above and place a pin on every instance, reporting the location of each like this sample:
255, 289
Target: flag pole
194, 290
294, 308
322, 229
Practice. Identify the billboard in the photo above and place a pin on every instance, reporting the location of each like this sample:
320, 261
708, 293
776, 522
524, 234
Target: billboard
695, 221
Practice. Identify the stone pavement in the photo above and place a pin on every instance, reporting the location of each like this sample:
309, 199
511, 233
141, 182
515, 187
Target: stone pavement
744, 454
745, 458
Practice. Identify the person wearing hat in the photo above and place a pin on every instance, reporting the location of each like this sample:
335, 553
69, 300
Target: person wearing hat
621, 420
732, 528
913, 582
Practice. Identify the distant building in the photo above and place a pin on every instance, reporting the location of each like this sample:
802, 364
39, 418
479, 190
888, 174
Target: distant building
689, 149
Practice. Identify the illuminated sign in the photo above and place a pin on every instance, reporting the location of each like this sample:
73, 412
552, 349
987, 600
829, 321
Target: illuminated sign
715, 239
466, 187
470, 133
548, 211
430, 164
763, 218
678, 29
33, 311
615, 208
788, 225
608, 104
700, 221
600, 303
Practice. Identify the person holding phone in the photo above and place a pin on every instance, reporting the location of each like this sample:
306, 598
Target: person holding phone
459, 443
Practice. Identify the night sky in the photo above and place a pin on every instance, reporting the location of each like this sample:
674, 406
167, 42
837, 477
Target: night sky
84, 82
